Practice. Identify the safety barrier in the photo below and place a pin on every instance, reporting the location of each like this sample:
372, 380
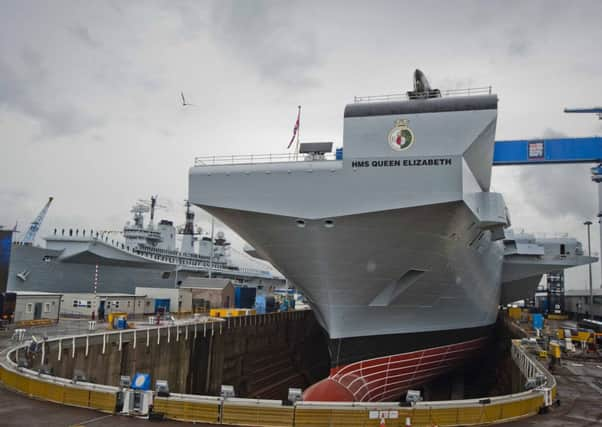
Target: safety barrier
256, 413
59, 390
37, 322
186, 407
253, 412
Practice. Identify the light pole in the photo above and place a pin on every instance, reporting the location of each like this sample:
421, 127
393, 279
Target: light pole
589, 253
212, 248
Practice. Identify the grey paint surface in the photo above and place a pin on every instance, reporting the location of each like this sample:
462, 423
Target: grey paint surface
387, 240
385, 220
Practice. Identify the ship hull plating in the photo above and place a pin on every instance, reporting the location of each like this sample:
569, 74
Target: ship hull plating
393, 272
33, 268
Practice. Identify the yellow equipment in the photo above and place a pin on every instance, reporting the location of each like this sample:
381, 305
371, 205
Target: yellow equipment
555, 350
113, 317
515, 313
231, 312
581, 335
585, 335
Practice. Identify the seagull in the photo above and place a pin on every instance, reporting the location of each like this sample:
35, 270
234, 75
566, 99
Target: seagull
184, 103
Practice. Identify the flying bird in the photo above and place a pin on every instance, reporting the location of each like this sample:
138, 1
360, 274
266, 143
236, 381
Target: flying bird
184, 103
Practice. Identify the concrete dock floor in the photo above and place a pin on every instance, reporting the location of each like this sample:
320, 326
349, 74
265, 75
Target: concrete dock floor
18, 410
580, 394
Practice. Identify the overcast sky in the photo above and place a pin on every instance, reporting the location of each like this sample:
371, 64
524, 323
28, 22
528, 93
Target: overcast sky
90, 110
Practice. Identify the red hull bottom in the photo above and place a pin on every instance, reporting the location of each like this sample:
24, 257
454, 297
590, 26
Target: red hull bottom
386, 378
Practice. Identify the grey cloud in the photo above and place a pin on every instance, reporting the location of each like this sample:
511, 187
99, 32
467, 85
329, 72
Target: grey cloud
12, 201
558, 191
265, 35
518, 47
18, 93
83, 35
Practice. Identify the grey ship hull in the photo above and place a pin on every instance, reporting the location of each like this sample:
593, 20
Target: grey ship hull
50, 270
64, 277
446, 278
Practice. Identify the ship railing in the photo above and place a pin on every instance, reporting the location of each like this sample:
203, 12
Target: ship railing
182, 260
251, 159
485, 90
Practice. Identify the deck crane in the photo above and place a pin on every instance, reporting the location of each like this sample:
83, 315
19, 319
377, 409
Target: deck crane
30, 236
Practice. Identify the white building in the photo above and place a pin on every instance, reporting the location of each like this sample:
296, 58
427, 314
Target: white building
33, 305
102, 304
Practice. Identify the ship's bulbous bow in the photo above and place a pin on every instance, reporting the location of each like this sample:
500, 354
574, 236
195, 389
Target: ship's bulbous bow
328, 390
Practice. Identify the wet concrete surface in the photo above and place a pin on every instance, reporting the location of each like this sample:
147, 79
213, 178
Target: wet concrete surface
19, 410
580, 395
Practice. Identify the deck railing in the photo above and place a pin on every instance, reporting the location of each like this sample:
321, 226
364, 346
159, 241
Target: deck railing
485, 90
250, 159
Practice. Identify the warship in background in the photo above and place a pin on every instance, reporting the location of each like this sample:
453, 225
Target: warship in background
399, 246
78, 260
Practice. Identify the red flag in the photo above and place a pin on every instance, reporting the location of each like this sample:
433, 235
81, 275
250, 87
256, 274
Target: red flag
296, 128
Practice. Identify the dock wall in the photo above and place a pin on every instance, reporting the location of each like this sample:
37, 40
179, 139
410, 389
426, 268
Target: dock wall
261, 356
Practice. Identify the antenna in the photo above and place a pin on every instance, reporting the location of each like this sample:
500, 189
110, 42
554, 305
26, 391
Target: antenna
150, 205
30, 237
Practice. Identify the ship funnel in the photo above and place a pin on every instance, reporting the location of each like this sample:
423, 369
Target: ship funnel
422, 87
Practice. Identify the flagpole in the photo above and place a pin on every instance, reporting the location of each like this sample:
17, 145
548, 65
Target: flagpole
298, 132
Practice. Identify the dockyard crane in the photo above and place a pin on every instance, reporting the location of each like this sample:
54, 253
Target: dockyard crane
30, 236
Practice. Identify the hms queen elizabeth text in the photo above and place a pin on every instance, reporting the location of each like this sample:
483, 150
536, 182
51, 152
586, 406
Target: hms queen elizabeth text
400, 163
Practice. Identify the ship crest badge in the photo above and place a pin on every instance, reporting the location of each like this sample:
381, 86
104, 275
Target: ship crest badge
401, 136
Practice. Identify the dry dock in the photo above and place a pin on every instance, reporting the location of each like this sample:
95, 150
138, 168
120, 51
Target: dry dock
579, 391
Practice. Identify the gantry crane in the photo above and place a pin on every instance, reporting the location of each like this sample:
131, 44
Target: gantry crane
557, 151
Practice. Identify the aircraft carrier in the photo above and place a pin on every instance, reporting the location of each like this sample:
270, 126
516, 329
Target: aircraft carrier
143, 254
399, 246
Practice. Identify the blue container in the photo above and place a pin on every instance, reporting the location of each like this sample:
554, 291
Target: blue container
339, 154
244, 297
121, 323
260, 304
537, 321
162, 305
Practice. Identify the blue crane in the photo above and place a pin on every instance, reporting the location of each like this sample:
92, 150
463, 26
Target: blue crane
30, 236
545, 151
556, 151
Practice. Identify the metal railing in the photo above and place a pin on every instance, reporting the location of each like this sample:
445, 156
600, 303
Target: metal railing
485, 90
181, 260
251, 159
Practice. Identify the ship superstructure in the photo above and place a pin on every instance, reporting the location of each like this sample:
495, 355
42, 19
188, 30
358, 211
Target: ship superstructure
397, 242
141, 255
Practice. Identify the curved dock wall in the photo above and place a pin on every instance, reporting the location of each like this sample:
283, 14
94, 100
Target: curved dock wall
196, 357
